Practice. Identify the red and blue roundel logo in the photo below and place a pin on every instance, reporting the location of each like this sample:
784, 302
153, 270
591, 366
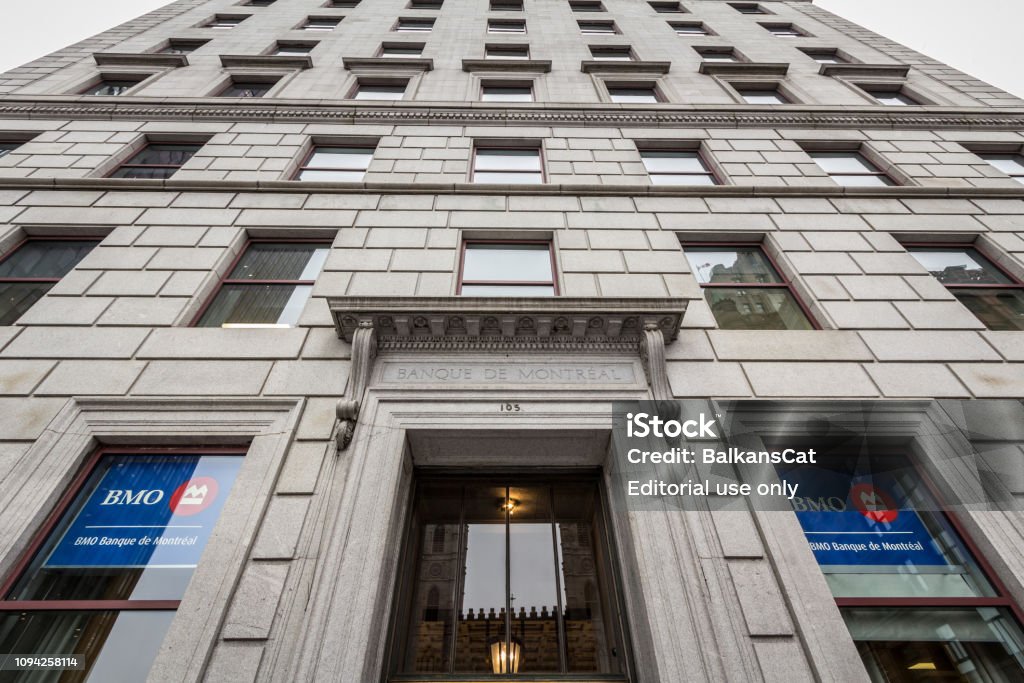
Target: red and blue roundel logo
874, 503
194, 496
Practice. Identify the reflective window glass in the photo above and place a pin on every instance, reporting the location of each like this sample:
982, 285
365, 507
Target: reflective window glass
633, 95
495, 93
268, 287
372, 91
507, 165
1010, 164
994, 297
752, 96
112, 87
414, 25
29, 272
156, 161
744, 290
689, 29
509, 579
677, 168
892, 98
246, 89
851, 169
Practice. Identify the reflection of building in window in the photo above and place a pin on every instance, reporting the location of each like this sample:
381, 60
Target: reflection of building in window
991, 294
744, 289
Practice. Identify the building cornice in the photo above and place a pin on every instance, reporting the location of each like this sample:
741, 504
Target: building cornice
511, 323
476, 113
293, 186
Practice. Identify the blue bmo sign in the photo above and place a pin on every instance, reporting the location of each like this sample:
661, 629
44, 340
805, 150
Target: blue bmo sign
858, 521
147, 511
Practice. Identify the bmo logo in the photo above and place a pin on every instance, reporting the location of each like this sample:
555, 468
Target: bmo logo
194, 496
191, 498
874, 503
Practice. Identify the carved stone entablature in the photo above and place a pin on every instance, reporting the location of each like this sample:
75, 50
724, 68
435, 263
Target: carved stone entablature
471, 320
465, 324
501, 114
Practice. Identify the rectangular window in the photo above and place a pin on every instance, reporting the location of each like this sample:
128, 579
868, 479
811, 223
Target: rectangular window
515, 165
1010, 164
667, 7
113, 87
689, 28
506, 52
380, 91
182, 47
336, 164
744, 289
825, 55
675, 167
509, 577
33, 268
401, 50
268, 286
426, 4
586, 6
513, 269
289, 49
717, 54
321, 23
156, 161
414, 25
261, 3
499, 91
225, 23
612, 53
506, 5
918, 603
506, 26
246, 88
991, 294
747, 8
851, 169
597, 28
7, 147
766, 95
103, 578
783, 30
342, 4
891, 97
642, 93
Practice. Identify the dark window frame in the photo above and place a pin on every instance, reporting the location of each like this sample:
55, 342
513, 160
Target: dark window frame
702, 28
64, 502
609, 23
127, 163
785, 282
509, 83
225, 279
508, 283
414, 21
409, 552
52, 280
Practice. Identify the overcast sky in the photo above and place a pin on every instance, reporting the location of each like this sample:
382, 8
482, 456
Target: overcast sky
976, 36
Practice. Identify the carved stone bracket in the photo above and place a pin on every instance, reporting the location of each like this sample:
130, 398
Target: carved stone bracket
652, 356
364, 351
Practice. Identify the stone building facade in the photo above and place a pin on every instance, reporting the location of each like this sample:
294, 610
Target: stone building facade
383, 175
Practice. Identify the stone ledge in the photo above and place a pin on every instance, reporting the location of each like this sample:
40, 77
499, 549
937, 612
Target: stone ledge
289, 62
865, 70
513, 65
404, 64
744, 68
623, 68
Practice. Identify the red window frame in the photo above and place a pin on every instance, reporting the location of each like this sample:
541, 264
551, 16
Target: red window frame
551, 253
303, 165
1002, 598
51, 521
226, 280
540, 157
785, 282
1014, 281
